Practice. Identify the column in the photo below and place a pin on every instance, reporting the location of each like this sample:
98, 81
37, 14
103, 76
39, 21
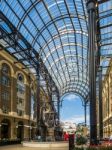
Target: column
38, 95
92, 69
85, 106
13, 95
58, 101
100, 105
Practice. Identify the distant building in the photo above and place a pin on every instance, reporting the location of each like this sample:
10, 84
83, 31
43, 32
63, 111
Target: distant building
68, 127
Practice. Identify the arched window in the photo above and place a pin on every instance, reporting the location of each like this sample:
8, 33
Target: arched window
6, 74
20, 84
5, 87
20, 94
20, 78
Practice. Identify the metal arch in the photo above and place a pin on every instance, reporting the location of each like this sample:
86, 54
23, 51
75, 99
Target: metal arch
83, 99
75, 85
64, 45
43, 36
73, 75
40, 32
77, 81
49, 23
58, 35
13, 29
32, 6
72, 92
71, 78
57, 61
37, 29
64, 66
62, 57
75, 91
53, 50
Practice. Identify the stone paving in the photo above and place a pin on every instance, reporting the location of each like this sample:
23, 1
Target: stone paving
20, 147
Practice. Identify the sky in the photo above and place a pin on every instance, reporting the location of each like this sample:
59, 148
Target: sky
72, 110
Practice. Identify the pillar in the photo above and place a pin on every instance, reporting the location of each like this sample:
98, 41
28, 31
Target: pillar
38, 96
58, 101
85, 119
13, 95
100, 105
92, 68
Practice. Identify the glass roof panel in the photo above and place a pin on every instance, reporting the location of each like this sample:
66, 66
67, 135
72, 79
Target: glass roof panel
57, 30
105, 20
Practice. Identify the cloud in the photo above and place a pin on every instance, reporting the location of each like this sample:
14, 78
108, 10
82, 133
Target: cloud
71, 97
76, 119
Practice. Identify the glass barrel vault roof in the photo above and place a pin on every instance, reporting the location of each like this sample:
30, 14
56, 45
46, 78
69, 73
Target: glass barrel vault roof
57, 30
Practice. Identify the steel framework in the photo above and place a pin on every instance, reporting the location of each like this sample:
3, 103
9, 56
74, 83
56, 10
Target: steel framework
51, 39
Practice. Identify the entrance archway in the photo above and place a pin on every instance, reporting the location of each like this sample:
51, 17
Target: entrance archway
76, 107
73, 94
20, 130
5, 129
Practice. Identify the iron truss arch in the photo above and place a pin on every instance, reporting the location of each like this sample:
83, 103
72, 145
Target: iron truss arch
56, 31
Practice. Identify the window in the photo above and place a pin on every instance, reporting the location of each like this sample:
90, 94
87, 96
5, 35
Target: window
20, 77
5, 79
20, 84
20, 102
20, 112
20, 95
20, 88
5, 109
5, 95
5, 69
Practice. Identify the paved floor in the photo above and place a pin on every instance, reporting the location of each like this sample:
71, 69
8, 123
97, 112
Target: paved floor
20, 147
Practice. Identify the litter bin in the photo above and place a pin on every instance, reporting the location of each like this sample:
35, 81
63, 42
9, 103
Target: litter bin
71, 141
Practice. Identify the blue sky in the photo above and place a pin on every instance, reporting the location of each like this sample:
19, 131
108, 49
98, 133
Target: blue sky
72, 109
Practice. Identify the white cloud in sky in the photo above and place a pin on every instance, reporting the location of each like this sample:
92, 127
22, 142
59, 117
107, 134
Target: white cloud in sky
76, 119
71, 97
